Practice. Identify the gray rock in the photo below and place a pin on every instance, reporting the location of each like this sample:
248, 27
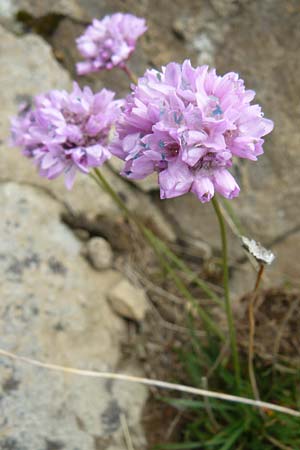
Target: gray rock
36, 8
99, 253
53, 308
27, 74
268, 205
128, 300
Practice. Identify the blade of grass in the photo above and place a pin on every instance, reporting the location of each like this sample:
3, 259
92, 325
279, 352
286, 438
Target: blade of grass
233, 438
154, 241
236, 225
182, 288
184, 446
182, 403
182, 266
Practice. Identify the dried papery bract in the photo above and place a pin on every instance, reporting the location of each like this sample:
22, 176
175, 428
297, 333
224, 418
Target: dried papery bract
260, 253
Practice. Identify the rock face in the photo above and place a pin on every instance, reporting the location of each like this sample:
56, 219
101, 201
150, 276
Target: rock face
54, 308
36, 8
53, 305
27, 74
229, 35
268, 205
128, 301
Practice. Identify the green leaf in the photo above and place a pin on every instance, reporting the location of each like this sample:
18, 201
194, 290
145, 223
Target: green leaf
182, 403
184, 446
233, 438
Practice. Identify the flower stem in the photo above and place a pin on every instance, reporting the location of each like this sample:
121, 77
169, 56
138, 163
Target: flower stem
132, 77
160, 250
228, 308
107, 187
252, 334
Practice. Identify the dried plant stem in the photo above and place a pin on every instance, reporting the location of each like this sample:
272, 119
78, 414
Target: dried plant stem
228, 308
208, 408
259, 277
251, 314
126, 432
286, 318
149, 382
277, 443
210, 324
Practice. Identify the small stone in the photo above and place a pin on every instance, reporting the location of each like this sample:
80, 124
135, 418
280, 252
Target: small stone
128, 301
100, 253
82, 234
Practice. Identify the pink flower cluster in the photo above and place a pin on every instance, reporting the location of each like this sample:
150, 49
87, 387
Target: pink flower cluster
65, 132
108, 43
187, 124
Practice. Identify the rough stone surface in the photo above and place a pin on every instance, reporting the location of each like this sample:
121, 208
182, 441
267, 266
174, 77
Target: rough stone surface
129, 301
53, 307
25, 75
53, 303
260, 40
229, 35
38, 8
99, 253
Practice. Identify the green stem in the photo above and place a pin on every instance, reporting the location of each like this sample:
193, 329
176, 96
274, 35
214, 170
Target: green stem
159, 248
102, 182
117, 199
209, 323
228, 308
193, 276
251, 312
132, 77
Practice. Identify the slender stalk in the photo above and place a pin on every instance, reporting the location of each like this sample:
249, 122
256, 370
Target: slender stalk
103, 183
259, 277
159, 249
210, 324
252, 334
107, 187
150, 382
228, 308
132, 77
182, 266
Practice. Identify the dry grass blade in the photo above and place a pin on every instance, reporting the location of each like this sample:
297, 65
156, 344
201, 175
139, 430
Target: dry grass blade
126, 432
149, 382
285, 321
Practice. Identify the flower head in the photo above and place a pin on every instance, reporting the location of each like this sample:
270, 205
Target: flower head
64, 133
187, 124
108, 43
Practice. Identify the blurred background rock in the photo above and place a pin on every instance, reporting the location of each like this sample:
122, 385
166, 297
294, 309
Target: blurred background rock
259, 40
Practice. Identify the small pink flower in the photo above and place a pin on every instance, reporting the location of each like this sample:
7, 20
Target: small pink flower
109, 42
188, 124
66, 133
